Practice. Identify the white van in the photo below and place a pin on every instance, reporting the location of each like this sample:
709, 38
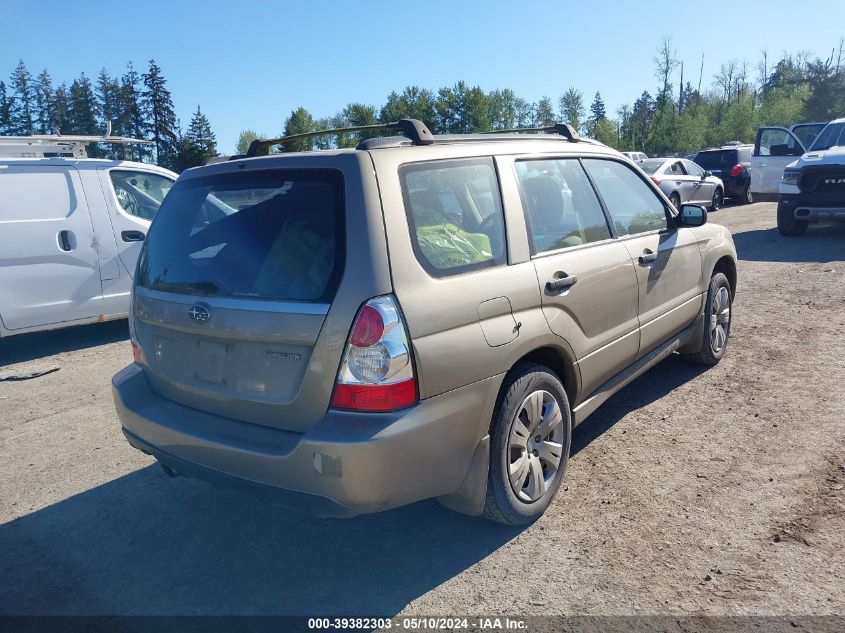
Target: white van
774, 149
71, 229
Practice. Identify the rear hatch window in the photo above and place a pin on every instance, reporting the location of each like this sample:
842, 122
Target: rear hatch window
717, 160
269, 234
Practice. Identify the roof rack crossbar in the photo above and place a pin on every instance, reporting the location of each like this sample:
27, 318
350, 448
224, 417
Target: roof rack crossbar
414, 129
563, 129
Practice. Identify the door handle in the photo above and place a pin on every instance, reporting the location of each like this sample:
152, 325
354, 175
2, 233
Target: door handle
64, 241
132, 236
648, 256
559, 284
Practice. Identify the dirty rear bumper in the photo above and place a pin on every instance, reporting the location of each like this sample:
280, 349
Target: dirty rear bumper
346, 464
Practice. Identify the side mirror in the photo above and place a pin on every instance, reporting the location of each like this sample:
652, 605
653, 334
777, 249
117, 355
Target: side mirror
692, 215
706, 174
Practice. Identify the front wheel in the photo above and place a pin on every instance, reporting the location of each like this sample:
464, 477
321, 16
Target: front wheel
787, 224
716, 202
717, 323
531, 434
747, 196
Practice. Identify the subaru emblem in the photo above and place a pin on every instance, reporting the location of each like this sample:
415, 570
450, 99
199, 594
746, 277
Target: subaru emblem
199, 313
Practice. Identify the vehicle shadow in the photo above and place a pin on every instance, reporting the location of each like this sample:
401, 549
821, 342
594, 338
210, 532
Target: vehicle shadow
26, 347
144, 544
821, 244
652, 385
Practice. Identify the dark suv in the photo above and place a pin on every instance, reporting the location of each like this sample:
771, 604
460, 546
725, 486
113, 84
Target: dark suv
731, 163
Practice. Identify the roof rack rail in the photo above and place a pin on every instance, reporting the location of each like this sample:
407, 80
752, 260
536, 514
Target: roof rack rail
58, 145
414, 129
563, 129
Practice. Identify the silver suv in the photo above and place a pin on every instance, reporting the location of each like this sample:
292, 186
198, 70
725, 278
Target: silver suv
423, 316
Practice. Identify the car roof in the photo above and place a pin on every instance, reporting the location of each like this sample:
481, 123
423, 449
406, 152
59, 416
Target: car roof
86, 163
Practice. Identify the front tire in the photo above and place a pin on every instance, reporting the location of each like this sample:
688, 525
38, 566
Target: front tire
718, 198
717, 323
531, 434
787, 224
747, 196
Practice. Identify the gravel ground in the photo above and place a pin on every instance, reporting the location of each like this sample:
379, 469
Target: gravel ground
691, 492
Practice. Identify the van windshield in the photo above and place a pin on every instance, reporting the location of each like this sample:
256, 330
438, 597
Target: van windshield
269, 234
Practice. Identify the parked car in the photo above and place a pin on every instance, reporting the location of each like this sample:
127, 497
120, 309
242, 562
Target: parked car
813, 187
72, 228
367, 328
774, 149
636, 156
684, 182
731, 163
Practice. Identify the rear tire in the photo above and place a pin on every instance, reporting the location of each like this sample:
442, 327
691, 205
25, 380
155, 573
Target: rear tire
717, 323
675, 199
526, 473
788, 225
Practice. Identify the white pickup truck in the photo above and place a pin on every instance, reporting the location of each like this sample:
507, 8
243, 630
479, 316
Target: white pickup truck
774, 149
71, 229
813, 187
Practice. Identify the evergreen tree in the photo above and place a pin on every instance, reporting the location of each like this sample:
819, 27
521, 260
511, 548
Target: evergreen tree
5, 111
107, 97
200, 137
503, 109
572, 107
23, 108
59, 110
44, 102
598, 113
300, 121
81, 114
160, 118
128, 117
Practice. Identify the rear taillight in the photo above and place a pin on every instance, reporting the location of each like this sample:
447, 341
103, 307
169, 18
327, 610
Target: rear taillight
656, 181
736, 171
376, 372
137, 355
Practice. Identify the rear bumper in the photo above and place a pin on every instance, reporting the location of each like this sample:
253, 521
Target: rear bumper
346, 464
805, 208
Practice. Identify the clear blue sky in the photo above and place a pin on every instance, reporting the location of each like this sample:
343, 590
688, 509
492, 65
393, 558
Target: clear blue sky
249, 63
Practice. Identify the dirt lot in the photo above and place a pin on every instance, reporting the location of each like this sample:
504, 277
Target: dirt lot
690, 492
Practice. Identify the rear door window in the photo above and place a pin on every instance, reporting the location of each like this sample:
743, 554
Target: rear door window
269, 234
454, 214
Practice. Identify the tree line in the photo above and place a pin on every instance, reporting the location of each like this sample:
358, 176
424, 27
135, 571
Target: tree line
679, 115
136, 104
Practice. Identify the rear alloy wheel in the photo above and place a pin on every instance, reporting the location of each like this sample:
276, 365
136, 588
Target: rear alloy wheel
716, 203
530, 438
675, 199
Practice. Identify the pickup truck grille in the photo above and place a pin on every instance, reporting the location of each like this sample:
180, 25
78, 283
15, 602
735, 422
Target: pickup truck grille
828, 181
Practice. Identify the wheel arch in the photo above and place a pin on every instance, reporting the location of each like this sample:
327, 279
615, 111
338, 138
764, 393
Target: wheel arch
727, 266
560, 363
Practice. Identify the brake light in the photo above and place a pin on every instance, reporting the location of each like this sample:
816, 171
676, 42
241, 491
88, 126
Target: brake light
376, 373
656, 181
736, 171
137, 356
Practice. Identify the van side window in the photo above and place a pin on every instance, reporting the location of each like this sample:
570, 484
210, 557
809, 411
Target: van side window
633, 206
561, 209
139, 193
455, 214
